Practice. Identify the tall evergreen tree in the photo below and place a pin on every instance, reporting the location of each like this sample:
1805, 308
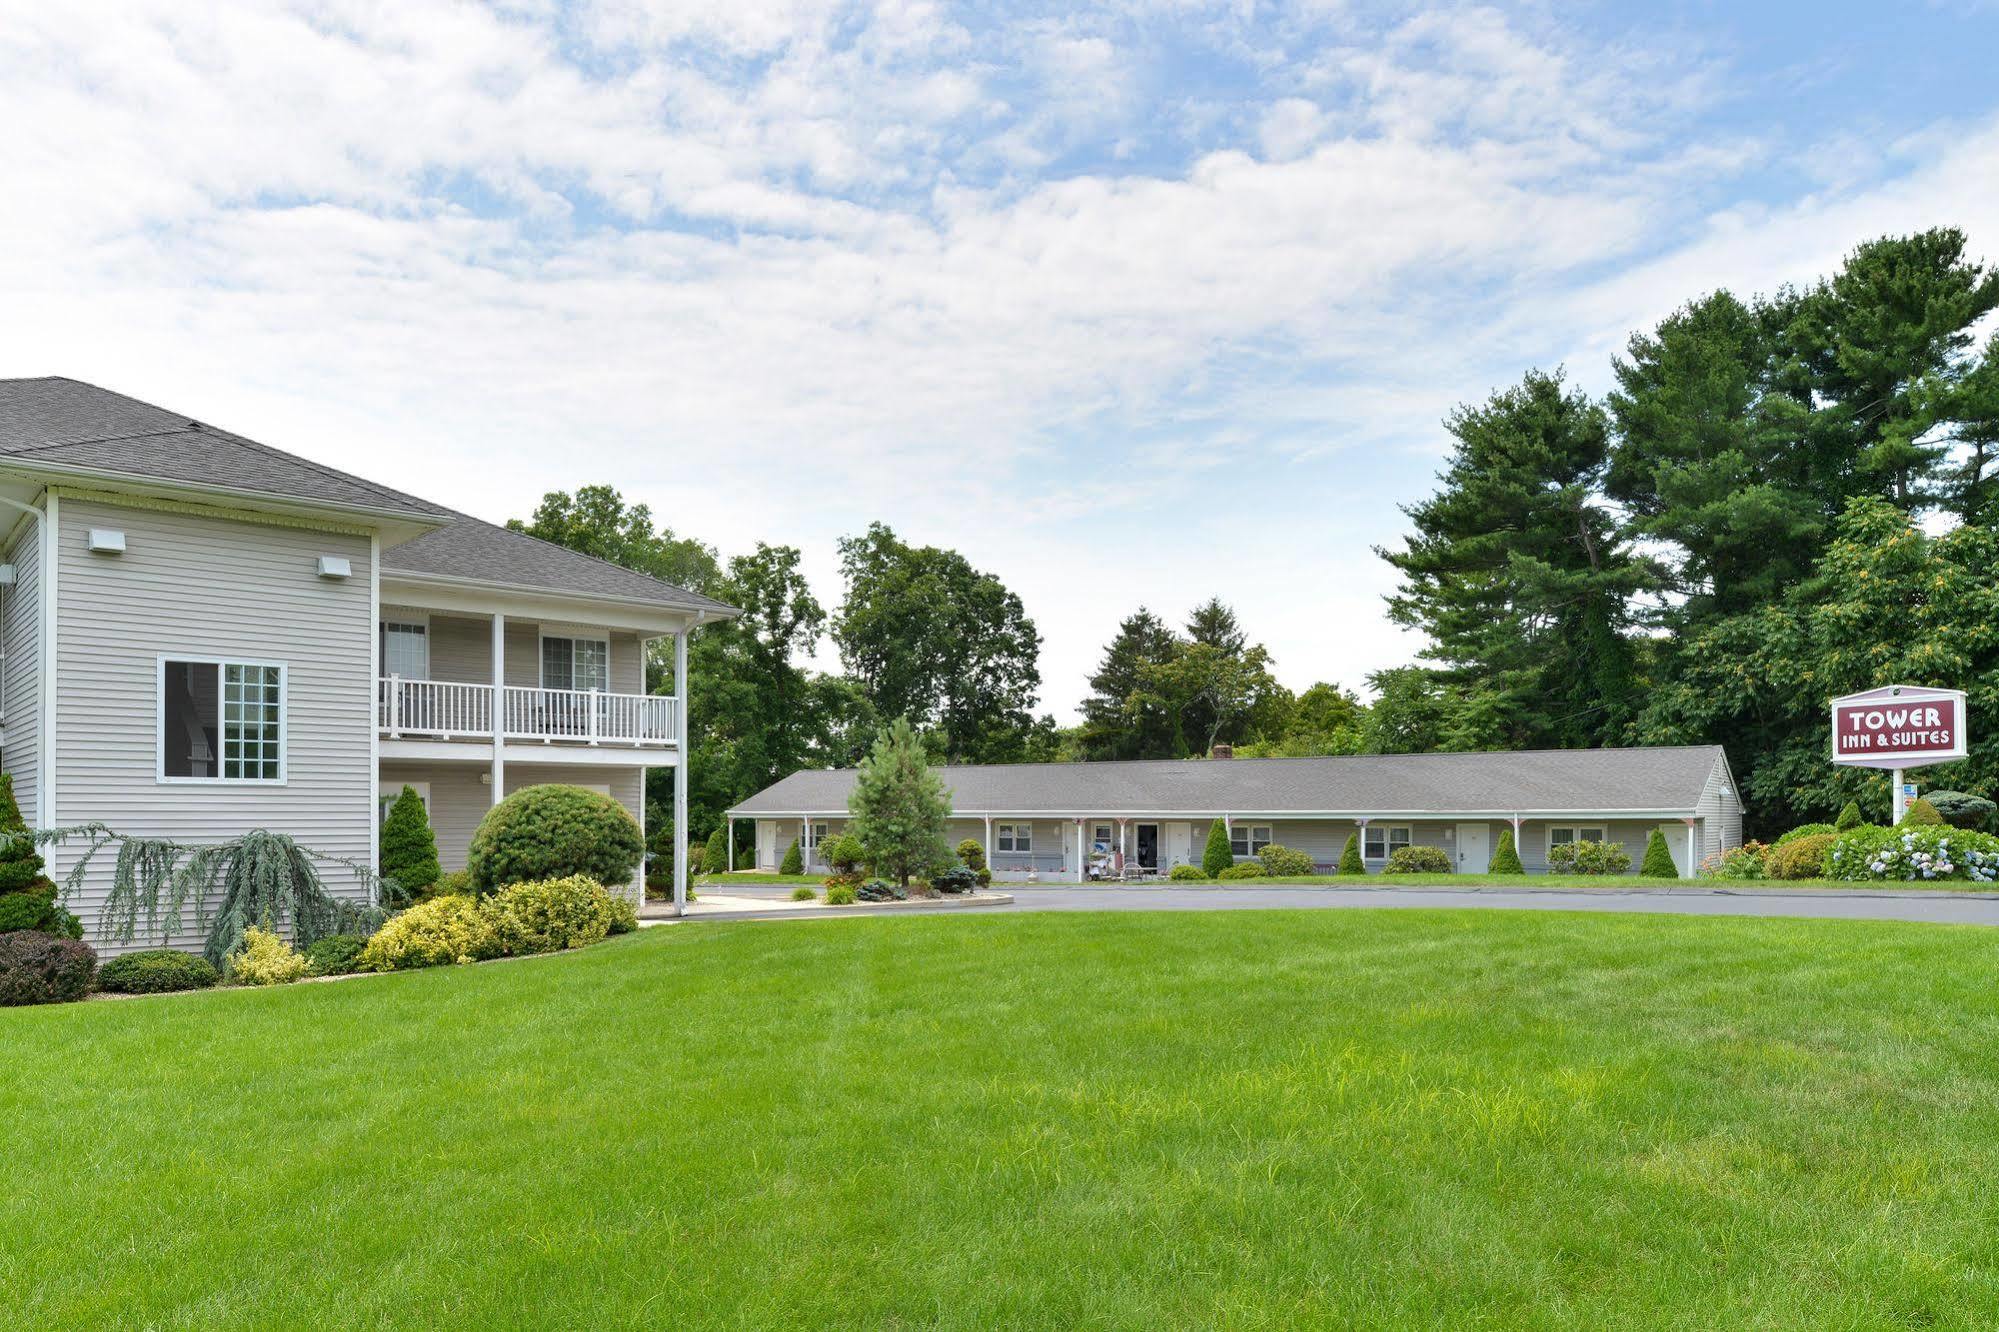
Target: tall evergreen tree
1119, 721
1215, 624
899, 807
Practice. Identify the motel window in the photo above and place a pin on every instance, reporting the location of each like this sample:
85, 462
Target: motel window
1015, 837
406, 649
222, 721
1385, 839
1103, 839
1249, 839
576, 663
1563, 834
818, 835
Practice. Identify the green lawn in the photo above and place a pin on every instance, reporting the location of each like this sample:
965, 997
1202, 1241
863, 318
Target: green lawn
1145, 1120
1609, 882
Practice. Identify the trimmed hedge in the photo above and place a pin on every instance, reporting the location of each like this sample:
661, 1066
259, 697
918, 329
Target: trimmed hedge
1249, 869
1187, 874
1418, 860
1506, 856
157, 971
554, 832
1805, 830
1588, 858
41, 968
1285, 862
549, 916
1658, 862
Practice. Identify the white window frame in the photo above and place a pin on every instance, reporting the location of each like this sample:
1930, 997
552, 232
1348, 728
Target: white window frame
1014, 839
403, 622
572, 637
386, 794
1255, 836
1575, 833
1394, 836
160, 719
1108, 841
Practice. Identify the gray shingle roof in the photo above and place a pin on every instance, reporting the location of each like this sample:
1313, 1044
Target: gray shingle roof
67, 423
1568, 781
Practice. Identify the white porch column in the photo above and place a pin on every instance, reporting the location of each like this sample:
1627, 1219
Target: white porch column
499, 707
1693, 855
680, 768
989, 841
731, 865
1082, 851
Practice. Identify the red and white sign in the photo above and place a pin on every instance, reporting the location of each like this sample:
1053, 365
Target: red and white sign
1898, 726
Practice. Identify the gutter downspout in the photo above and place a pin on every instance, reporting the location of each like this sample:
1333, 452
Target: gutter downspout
45, 768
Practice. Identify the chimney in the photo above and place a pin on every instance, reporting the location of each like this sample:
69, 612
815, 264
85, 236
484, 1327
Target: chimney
1223, 752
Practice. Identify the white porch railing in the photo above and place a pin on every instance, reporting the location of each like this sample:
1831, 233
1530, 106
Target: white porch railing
448, 710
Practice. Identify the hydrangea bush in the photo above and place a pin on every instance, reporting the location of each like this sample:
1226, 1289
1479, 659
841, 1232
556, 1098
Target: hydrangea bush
1738, 862
1915, 854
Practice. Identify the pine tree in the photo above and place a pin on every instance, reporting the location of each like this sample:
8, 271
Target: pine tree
409, 851
899, 807
1849, 817
27, 894
1658, 862
1506, 856
1350, 861
715, 855
794, 860
1217, 856
1118, 722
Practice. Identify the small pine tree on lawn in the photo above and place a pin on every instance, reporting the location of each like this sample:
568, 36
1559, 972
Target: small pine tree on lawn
1350, 861
974, 857
27, 894
1658, 863
1921, 814
409, 851
715, 856
1506, 857
1848, 817
899, 807
794, 860
1217, 857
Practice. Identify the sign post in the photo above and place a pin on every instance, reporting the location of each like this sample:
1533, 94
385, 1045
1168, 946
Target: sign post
1897, 727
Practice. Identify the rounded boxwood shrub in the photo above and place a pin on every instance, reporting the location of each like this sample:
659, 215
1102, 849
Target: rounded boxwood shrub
1805, 830
1658, 862
554, 832
1800, 857
1187, 874
1588, 858
264, 959
1285, 862
973, 856
1249, 869
550, 915
1418, 860
334, 955
41, 968
430, 934
1961, 809
157, 971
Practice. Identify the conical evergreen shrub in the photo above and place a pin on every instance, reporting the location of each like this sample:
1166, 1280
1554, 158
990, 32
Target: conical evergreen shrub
1849, 817
1658, 863
794, 860
27, 894
1922, 814
409, 850
1350, 861
715, 856
1217, 856
1506, 856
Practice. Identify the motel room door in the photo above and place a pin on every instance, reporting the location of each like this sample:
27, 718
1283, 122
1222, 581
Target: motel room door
1179, 844
1474, 848
1148, 846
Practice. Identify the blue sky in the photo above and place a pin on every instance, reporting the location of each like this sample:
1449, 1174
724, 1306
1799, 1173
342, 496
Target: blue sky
1133, 304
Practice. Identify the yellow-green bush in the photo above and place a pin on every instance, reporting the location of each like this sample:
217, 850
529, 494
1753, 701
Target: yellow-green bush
430, 934
1800, 857
265, 959
622, 913
549, 915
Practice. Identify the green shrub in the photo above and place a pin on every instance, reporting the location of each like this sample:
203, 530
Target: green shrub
1187, 874
715, 855
264, 959
1738, 862
157, 971
1921, 814
804, 893
1961, 809
41, 968
845, 854
1658, 862
1800, 857
549, 915
1249, 869
27, 894
554, 832
409, 851
1924, 852
1849, 817
621, 914
794, 860
457, 883
1505, 856
1804, 830
1283, 862
1588, 858
974, 857
955, 879
1350, 861
697, 856
840, 893
881, 890
335, 955
1216, 856
1418, 860
430, 934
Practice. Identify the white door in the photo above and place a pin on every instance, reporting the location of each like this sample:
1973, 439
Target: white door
1474, 847
1179, 844
766, 846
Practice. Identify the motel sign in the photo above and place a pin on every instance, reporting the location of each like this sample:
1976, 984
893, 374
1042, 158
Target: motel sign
1898, 726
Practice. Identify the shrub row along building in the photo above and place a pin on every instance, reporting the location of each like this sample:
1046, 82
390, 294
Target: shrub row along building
1054, 820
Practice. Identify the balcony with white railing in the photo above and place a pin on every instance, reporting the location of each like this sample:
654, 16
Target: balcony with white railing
449, 710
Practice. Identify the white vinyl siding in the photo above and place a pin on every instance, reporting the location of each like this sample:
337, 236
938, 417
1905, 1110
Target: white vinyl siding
22, 692
191, 586
1720, 813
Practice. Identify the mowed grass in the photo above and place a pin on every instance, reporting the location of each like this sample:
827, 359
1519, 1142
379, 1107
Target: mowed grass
1143, 1120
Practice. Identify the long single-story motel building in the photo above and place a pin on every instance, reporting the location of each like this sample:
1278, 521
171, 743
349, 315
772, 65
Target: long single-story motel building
1067, 821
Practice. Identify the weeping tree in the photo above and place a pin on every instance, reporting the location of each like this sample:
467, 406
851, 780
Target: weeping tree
261, 878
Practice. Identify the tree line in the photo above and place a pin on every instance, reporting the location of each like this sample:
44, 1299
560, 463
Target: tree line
1784, 497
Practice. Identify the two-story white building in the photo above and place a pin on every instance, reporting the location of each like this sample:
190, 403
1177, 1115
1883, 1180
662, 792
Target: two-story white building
202, 635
